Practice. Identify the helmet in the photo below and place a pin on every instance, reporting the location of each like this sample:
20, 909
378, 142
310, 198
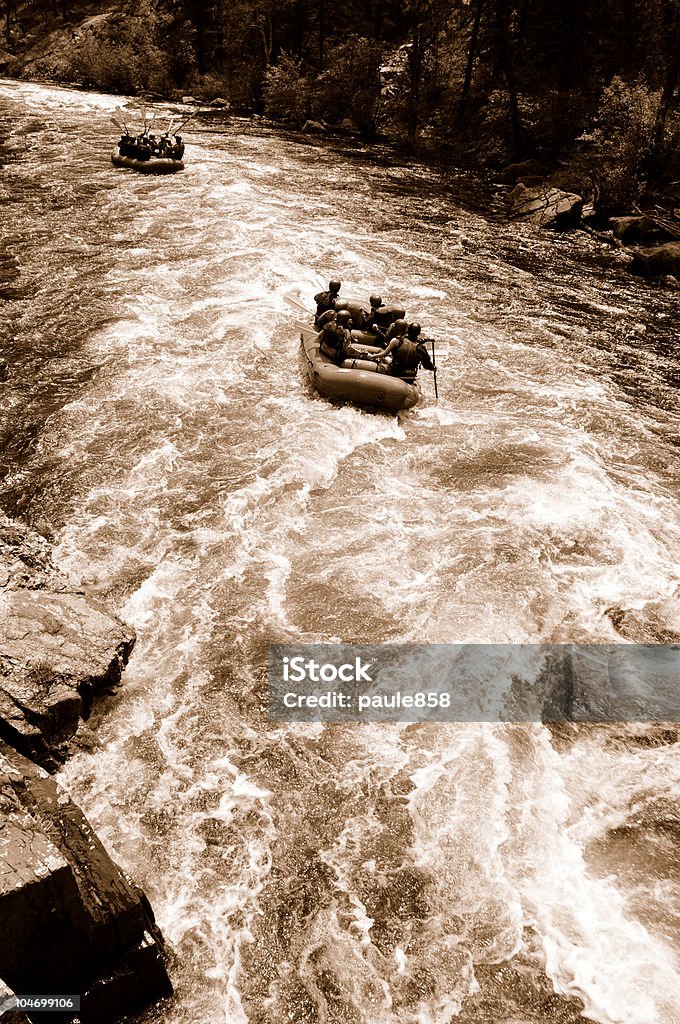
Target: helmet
401, 326
341, 304
414, 330
334, 286
327, 317
375, 300
344, 316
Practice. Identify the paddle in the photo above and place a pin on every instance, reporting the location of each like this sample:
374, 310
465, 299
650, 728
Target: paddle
296, 303
185, 122
436, 393
303, 326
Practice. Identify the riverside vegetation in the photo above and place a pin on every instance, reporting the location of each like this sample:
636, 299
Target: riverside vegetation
590, 91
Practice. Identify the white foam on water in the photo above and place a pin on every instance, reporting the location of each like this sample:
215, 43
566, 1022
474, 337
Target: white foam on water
595, 949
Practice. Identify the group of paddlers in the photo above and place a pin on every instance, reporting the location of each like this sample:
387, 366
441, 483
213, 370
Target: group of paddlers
387, 326
146, 146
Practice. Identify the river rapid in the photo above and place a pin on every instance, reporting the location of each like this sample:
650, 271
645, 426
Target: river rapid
157, 422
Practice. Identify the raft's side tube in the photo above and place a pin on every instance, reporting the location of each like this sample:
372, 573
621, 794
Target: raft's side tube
363, 364
154, 165
367, 340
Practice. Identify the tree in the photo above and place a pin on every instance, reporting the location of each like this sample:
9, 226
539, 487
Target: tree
351, 86
505, 64
427, 19
471, 56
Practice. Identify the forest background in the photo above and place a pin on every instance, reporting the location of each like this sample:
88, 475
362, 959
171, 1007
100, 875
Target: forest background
590, 91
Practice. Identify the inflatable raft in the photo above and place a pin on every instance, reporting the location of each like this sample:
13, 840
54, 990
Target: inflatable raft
154, 165
358, 380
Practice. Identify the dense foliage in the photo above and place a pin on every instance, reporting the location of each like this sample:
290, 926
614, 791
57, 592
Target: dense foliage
593, 88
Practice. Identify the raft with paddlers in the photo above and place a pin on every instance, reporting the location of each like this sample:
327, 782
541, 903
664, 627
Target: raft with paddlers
152, 165
365, 353
359, 381
147, 152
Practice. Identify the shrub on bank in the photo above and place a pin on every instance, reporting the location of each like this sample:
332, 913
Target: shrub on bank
285, 92
120, 54
615, 154
350, 85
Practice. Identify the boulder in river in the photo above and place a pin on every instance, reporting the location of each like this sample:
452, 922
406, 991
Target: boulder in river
546, 206
657, 261
73, 923
642, 228
314, 127
59, 649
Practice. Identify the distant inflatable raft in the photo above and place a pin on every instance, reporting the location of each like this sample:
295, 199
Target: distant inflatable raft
155, 165
356, 381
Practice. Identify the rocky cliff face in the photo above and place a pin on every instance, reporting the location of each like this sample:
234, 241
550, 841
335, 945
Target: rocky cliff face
72, 922
58, 649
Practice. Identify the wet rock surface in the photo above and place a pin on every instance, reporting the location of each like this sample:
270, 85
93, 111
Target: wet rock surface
545, 205
59, 649
642, 228
656, 261
72, 921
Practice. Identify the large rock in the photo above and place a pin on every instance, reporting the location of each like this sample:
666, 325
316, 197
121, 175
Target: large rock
546, 206
513, 173
58, 649
643, 229
72, 922
314, 127
658, 261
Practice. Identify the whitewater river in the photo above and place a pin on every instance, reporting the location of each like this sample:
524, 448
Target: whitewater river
157, 421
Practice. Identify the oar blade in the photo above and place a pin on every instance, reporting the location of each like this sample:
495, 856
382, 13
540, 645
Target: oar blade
296, 303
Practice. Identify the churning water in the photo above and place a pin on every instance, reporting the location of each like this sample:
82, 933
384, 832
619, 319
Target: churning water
157, 421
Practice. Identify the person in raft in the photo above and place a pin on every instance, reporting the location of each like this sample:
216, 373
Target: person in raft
335, 339
408, 353
326, 300
369, 324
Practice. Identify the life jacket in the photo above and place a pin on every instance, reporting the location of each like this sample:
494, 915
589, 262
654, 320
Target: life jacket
332, 342
324, 301
405, 359
358, 314
384, 316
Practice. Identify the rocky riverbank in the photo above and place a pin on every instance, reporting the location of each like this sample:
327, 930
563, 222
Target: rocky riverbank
651, 238
73, 922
